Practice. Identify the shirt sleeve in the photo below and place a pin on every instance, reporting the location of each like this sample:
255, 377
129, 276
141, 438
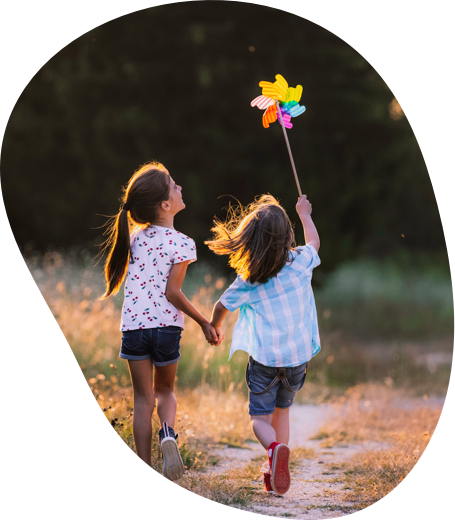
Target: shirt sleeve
308, 257
184, 250
236, 295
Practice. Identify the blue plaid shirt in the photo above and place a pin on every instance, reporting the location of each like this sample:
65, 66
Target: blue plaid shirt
277, 323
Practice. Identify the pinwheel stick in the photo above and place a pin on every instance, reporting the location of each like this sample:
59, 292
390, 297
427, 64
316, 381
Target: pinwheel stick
289, 147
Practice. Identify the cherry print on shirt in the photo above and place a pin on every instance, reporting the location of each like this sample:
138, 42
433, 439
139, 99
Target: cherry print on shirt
135, 300
141, 267
143, 285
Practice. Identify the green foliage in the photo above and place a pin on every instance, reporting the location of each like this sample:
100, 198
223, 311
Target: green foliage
174, 83
396, 297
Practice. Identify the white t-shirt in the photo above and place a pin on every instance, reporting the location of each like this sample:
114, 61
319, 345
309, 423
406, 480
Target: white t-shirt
153, 250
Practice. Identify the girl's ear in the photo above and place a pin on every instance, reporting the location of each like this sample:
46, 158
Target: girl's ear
165, 205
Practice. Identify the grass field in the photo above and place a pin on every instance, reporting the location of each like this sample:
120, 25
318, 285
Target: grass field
375, 324
382, 333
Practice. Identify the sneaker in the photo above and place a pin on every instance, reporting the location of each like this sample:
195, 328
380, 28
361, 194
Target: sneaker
172, 461
280, 478
266, 473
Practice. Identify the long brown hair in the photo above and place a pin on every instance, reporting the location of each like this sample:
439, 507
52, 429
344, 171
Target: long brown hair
257, 239
147, 188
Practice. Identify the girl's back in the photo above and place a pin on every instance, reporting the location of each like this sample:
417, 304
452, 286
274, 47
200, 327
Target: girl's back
277, 323
154, 250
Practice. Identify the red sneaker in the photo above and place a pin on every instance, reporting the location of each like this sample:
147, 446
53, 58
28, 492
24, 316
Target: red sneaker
266, 473
280, 478
267, 484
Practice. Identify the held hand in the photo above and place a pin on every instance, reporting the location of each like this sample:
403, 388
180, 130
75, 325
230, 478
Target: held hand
303, 206
209, 333
220, 335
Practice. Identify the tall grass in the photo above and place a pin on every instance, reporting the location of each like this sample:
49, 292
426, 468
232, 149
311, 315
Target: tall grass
368, 414
352, 305
358, 308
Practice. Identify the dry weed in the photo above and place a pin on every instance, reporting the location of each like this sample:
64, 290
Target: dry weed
403, 434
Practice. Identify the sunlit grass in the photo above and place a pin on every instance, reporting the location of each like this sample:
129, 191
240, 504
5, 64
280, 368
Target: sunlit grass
369, 414
361, 379
71, 285
205, 418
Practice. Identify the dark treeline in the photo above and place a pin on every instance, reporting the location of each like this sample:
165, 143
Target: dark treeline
174, 84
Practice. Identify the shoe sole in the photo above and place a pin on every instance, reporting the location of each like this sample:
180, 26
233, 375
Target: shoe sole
172, 461
280, 478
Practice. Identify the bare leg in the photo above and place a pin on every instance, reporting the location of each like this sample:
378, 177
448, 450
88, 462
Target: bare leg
144, 402
164, 393
263, 430
280, 423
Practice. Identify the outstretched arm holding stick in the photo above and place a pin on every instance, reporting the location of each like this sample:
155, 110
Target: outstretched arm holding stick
304, 210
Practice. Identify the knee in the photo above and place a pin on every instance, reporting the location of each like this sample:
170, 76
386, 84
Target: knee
146, 400
164, 389
259, 419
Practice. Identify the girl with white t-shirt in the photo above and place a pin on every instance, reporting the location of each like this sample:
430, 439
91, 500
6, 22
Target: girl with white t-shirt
152, 257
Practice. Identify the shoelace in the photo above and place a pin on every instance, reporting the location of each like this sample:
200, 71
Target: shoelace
265, 468
167, 431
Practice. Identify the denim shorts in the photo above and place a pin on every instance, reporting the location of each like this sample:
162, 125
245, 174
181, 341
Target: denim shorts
258, 378
161, 345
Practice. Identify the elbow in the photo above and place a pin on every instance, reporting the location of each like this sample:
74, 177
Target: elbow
171, 295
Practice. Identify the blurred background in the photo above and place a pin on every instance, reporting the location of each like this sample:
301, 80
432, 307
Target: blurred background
174, 84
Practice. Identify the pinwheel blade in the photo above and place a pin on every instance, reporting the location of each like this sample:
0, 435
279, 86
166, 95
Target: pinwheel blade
286, 120
281, 86
262, 102
275, 90
269, 116
294, 94
297, 110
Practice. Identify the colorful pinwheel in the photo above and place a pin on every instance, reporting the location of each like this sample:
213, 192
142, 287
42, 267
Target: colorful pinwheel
288, 97
280, 102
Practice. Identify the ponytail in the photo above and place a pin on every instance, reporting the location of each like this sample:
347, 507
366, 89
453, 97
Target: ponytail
118, 258
146, 189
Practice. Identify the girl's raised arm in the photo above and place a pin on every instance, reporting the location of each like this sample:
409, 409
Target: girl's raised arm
304, 210
178, 299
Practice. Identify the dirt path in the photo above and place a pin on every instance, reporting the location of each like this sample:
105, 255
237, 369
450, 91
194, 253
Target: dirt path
315, 492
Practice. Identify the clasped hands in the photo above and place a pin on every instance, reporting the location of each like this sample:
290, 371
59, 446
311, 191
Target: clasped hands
213, 333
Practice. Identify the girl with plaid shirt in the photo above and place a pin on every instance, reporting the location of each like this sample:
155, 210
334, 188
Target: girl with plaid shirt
277, 322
